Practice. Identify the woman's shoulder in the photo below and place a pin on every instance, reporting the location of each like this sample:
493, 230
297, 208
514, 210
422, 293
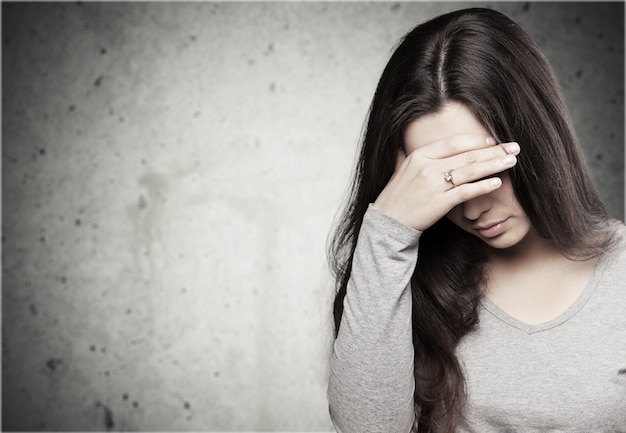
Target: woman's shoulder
618, 231
616, 255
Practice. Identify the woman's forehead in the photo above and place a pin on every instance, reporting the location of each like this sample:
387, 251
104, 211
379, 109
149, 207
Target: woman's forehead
453, 119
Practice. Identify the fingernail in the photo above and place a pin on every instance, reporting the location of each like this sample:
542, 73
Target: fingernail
513, 148
490, 140
509, 159
496, 181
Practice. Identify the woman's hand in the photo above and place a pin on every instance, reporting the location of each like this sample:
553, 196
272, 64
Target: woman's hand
418, 193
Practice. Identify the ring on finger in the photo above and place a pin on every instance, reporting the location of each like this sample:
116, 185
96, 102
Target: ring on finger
447, 176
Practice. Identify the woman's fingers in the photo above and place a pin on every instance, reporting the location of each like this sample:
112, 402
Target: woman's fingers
478, 170
469, 191
484, 154
456, 145
475, 164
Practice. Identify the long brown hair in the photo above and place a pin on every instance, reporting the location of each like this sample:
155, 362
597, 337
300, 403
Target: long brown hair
482, 59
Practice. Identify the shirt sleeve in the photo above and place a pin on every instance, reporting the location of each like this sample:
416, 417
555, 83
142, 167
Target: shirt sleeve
371, 381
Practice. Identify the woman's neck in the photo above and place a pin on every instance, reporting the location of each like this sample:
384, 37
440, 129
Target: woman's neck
533, 281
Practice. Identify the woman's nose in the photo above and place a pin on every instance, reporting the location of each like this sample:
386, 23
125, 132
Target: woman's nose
474, 208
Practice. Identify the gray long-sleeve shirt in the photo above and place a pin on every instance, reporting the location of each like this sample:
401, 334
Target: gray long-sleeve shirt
566, 375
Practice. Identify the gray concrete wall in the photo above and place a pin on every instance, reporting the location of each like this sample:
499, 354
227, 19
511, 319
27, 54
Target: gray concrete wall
170, 173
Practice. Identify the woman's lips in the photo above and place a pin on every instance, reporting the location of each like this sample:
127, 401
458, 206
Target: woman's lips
493, 230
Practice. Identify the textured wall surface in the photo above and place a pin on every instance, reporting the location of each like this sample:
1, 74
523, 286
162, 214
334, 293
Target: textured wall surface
170, 173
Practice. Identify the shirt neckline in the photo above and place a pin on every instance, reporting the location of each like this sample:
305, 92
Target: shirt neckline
573, 309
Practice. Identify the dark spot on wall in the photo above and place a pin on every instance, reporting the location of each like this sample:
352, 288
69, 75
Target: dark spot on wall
107, 373
187, 405
129, 311
600, 35
135, 404
42, 239
216, 374
108, 418
98, 81
273, 87
621, 371
193, 38
42, 151
78, 222
54, 363
270, 49
103, 350
142, 204
125, 397
526, 6
63, 279
579, 73
395, 7
103, 51
33, 309
72, 108
611, 135
599, 156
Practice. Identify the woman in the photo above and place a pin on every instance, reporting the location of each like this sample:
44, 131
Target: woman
480, 280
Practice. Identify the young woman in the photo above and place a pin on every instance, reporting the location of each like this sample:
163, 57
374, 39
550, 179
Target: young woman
481, 285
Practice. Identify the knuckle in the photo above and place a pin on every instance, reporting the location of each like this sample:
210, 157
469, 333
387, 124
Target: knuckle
469, 172
496, 152
452, 144
469, 157
426, 172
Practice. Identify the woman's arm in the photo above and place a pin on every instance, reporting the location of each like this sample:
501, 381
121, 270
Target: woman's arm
371, 379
